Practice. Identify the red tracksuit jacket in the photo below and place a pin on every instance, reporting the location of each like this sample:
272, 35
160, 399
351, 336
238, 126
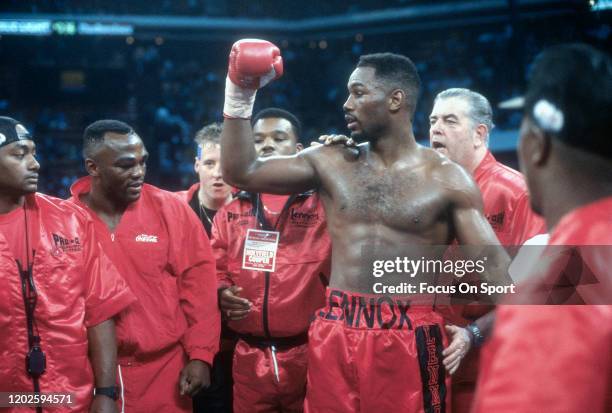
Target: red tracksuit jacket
506, 202
78, 287
164, 255
187, 194
556, 358
284, 301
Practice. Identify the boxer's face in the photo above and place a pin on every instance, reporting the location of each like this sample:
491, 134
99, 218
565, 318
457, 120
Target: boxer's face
366, 108
452, 132
275, 137
19, 168
208, 168
120, 163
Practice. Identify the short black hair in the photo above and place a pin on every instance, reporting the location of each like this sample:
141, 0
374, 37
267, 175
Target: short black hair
282, 114
397, 71
94, 133
569, 96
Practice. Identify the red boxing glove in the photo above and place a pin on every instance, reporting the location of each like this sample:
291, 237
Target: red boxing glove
253, 63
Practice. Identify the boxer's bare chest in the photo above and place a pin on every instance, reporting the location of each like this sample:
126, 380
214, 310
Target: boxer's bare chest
405, 198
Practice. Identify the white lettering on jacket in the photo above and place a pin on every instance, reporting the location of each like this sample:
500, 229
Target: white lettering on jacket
146, 238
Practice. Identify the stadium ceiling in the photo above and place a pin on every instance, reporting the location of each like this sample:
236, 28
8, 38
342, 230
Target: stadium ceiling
416, 17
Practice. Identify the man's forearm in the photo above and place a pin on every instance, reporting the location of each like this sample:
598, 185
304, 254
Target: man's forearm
237, 150
485, 325
103, 353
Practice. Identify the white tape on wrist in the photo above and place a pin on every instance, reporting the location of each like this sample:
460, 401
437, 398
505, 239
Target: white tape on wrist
239, 102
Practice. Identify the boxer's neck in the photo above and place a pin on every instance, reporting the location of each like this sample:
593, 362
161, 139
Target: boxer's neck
397, 143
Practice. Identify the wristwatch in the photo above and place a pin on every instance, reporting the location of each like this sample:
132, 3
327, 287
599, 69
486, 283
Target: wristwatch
477, 337
112, 392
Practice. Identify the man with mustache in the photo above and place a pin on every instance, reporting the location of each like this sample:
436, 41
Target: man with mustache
270, 309
460, 123
168, 337
386, 192
58, 289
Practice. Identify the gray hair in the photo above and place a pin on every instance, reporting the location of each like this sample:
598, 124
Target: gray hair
479, 107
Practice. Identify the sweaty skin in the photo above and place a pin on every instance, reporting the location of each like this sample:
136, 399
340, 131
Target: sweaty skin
387, 192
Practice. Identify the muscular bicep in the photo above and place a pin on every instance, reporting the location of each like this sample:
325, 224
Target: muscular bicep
242, 168
479, 242
471, 225
281, 175
472, 229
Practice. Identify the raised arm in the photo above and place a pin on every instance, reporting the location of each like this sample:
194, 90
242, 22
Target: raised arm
252, 64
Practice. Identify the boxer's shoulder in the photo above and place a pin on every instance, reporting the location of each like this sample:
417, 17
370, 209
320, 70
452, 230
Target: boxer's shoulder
332, 156
441, 166
450, 176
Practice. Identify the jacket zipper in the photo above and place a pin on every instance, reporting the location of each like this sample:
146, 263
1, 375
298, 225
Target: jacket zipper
266, 226
265, 305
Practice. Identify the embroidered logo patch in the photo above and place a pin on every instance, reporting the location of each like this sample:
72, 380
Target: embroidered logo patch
146, 238
66, 244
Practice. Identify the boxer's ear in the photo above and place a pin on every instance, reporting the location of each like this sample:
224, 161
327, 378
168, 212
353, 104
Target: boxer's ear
397, 99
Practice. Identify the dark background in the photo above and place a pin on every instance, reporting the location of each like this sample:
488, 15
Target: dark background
167, 78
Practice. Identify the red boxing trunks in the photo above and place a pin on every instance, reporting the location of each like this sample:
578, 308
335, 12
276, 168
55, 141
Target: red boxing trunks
370, 353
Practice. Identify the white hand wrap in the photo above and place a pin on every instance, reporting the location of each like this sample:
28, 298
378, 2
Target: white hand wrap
238, 101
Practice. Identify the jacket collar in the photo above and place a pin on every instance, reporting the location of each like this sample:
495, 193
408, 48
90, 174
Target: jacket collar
192, 190
487, 162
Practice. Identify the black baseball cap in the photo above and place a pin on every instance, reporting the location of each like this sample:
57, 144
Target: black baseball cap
569, 96
12, 131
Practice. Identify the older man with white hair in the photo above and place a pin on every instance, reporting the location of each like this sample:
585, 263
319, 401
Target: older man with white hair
460, 123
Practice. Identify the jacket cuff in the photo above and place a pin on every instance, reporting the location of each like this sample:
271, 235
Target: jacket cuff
202, 354
224, 283
109, 308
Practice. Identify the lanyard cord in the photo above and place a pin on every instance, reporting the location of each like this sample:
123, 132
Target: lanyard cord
28, 288
30, 298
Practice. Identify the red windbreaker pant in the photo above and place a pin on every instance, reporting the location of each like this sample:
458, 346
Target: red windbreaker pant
153, 385
256, 388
